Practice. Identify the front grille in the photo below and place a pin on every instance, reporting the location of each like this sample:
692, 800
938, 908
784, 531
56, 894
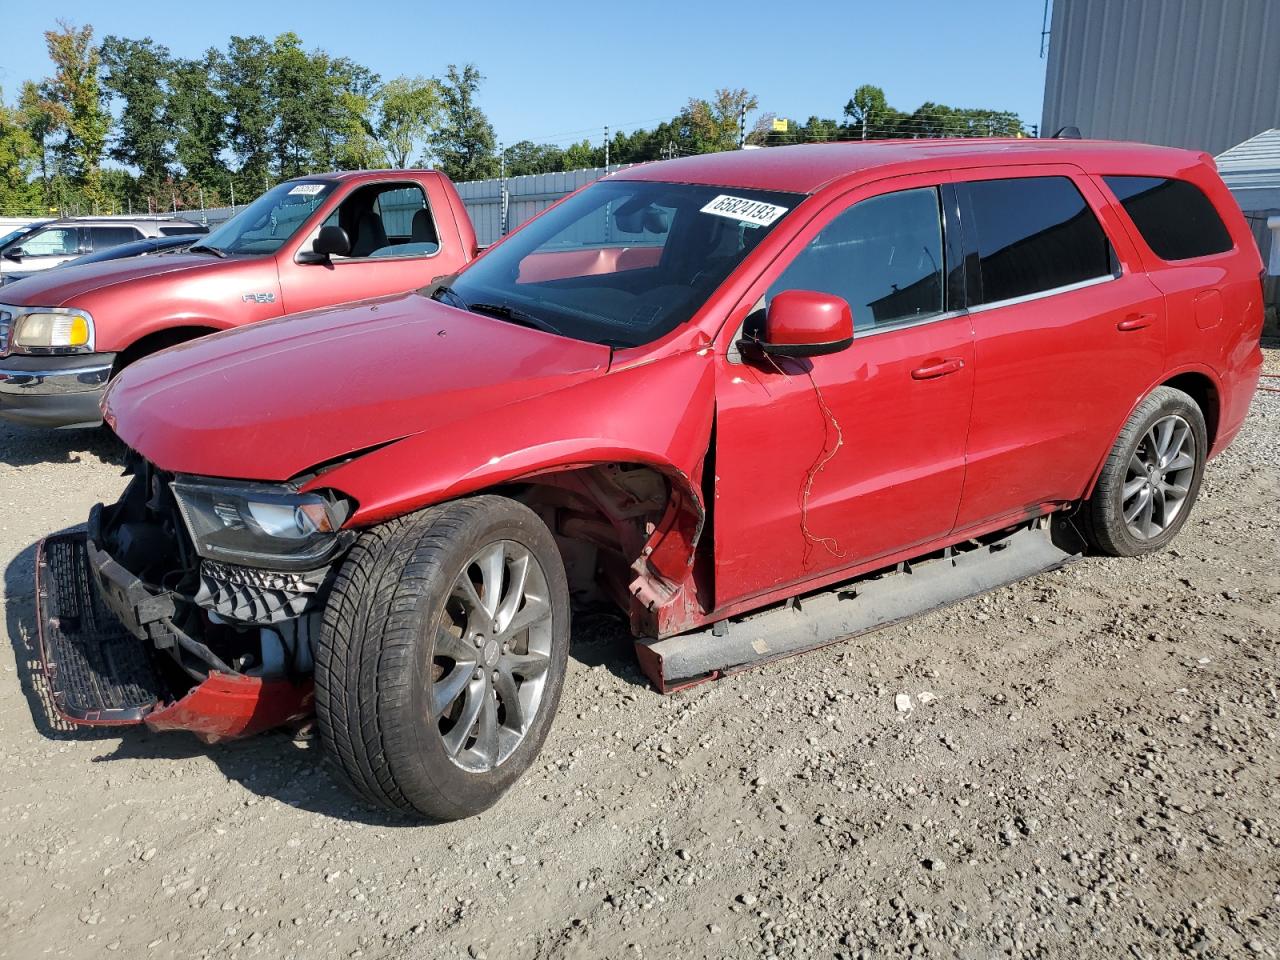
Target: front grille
247, 595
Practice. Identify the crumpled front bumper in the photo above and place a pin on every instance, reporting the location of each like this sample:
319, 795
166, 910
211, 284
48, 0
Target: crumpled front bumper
54, 391
101, 674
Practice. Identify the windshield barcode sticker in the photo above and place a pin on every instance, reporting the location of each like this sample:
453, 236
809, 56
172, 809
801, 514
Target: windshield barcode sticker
307, 189
755, 212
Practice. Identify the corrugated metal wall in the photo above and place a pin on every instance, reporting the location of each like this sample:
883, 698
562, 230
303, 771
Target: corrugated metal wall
1187, 73
526, 196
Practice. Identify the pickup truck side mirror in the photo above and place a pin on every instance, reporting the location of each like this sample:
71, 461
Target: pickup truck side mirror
331, 242
16, 254
805, 323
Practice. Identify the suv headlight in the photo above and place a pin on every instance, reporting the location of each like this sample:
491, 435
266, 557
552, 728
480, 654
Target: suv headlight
51, 330
261, 525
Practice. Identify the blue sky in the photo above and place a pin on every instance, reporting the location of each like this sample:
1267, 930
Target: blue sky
559, 70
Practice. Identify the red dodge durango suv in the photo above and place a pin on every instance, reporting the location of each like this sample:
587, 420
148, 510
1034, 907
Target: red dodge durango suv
708, 390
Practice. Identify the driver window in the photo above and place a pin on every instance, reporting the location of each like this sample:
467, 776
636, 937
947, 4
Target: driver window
386, 221
883, 255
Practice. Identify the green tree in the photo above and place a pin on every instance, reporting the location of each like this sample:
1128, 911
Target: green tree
40, 118
19, 161
196, 113
245, 85
138, 74
409, 108
464, 141
715, 124
75, 90
868, 111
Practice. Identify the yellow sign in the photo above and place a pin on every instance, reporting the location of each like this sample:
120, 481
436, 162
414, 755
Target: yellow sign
779, 125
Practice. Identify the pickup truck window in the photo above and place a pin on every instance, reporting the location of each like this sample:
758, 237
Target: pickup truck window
267, 224
623, 262
386, 220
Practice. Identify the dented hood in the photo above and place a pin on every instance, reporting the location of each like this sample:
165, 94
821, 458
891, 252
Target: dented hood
271, 400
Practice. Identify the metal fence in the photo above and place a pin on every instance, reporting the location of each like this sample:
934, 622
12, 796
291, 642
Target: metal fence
500, 205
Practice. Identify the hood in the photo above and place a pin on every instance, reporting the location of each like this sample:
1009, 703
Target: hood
271, 400
58, 286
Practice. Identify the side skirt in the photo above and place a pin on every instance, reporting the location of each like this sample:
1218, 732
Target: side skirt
856, 606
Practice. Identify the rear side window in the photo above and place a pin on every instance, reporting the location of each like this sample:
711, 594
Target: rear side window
104, 237
1035, 234
883, 256
1175, 218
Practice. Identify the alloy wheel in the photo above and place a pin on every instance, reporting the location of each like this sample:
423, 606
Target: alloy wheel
491, 657
1159, 476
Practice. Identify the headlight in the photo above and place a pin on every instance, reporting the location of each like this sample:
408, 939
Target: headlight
261, 525
56, 330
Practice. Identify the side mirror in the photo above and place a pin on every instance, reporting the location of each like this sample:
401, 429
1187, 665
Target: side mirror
16, 254
331, 242
804, 323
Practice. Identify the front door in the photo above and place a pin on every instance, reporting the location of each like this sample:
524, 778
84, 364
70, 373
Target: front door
826, 462
395, 247
47, 248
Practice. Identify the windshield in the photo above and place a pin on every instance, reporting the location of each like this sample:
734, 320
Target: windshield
623, 262
266, 224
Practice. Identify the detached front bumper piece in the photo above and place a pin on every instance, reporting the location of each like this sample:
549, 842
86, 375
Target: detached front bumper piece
101, 674
54, 391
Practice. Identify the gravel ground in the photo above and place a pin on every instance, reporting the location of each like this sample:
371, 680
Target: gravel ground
1088, 768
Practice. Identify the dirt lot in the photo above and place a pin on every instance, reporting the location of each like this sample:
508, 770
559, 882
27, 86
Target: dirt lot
1090, 769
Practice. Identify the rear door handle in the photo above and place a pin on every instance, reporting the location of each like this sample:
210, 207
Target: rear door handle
937, 368
1136, 321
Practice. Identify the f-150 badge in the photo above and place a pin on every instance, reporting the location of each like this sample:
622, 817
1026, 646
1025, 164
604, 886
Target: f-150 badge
259, 298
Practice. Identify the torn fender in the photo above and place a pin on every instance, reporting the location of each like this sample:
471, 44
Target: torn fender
658, 414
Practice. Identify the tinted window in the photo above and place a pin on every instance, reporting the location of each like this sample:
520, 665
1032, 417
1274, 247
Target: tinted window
104, 237
54, 242
184, 231
883, 256
1174, 217
1035, 234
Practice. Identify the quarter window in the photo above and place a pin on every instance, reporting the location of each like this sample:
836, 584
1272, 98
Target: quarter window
1035, 234
883, 256
1175, 218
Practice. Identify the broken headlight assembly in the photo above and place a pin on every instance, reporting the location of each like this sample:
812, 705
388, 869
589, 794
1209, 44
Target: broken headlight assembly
262, 525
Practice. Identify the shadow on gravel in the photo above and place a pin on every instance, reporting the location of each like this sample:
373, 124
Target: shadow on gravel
25, 447
278, 765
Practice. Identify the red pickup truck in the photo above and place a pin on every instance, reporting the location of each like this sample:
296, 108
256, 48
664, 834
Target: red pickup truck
315, 241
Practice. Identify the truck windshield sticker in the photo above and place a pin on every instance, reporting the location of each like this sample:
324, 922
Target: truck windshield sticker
307, 189
753, 212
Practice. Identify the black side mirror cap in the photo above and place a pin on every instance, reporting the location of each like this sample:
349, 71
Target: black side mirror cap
16, 254
331, 242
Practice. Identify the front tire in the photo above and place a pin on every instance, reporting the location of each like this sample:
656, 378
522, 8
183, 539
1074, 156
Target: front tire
442, 656
1151, 478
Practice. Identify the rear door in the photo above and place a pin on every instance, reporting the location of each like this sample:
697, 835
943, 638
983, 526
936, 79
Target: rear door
104, 238
831, 461
1070, 334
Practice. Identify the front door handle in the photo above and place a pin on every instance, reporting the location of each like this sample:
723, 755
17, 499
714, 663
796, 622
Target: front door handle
1136, 321
937, 367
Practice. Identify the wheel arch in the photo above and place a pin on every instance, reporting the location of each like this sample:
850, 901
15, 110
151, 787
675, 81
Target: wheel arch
157, 340
1199, 383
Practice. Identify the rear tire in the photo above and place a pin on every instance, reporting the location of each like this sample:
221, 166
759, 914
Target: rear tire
442, 655
1151, 478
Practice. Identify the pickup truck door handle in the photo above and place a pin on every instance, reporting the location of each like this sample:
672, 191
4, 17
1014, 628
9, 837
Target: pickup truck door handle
937, 367
1136, 321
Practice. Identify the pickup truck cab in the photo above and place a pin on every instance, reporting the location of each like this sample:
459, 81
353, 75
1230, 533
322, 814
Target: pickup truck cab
64, 334
701, 390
